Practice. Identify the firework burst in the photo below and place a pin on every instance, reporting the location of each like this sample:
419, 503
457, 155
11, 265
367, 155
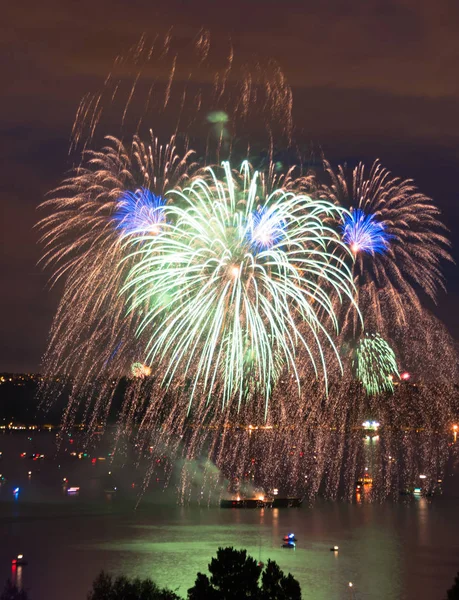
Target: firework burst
396, 237
233, 288
92, 334
140, 212
231, 277
375, 364
362, 233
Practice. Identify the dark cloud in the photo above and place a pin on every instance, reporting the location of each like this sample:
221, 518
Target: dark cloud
371, 78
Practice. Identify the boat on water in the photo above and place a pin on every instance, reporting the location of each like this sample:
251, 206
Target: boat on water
365, 480
416, 491
290, 545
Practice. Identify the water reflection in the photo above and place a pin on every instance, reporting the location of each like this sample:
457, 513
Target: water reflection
388, 550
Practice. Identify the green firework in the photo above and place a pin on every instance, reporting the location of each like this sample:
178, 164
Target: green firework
375, 364
236, 282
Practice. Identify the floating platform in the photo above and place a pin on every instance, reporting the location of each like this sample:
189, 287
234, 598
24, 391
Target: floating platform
286, 503
243, 503
257, 503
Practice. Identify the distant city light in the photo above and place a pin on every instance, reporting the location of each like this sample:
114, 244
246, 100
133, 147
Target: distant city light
370, 425
140, 371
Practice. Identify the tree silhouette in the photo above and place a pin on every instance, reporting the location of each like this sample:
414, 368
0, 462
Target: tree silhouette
203, 589
277, 586
105, 587
453, 592
235, 576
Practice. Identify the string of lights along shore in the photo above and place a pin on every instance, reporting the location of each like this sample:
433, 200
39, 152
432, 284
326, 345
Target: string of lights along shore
238, 292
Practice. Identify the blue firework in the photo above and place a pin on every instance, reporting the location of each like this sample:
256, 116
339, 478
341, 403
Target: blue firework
265, 228
363, 233
140, 212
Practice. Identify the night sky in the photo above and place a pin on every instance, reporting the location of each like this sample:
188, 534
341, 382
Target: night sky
371, 79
